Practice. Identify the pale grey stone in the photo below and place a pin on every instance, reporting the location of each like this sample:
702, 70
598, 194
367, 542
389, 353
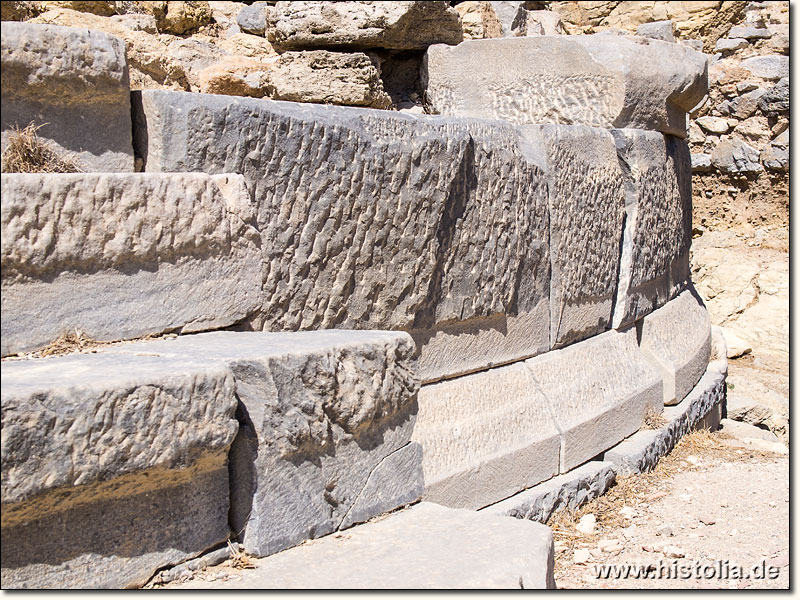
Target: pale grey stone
730, 45
598, 391
112, 467
253, 18
511, 15
776, 99
325, 424
776, 156
658, 30
137, 22
341, 248
742, 107
568, 491
716, 125
676, 339
485, 437
654, 266
74, 83
121, 255
735, 156
426, 546
749, 33
549, 20
701, 163
391, 25
746, 431
539, 79
768, 67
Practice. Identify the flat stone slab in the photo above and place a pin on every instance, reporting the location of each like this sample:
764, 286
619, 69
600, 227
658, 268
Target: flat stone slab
654, 266
122, 255
74, 83
598, 391
485, 437
325, 428
597, 80
676, 339
426, 546
568, 491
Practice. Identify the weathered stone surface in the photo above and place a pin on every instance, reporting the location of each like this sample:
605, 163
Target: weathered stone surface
75, 84
253, 18
776, 99
103, 9
485, 437
742, 107
478, 20
423, 547
654, 266
236, 76
123, 255
325, 419
111, 467
586, 206
746, 32
195, 55
658, 30
597, 80
137, 22
346, 197
598, 391
392, 25
178, 17
328, 78
735, 156
14, 10
701, 163
676, 339
768, 67
716, 125
568, 491
726, 45
549, 20
776, 156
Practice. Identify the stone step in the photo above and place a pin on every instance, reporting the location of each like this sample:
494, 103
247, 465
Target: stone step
426, 546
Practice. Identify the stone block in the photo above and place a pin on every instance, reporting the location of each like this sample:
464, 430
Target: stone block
423, 547
676, 339
598, 391
735, 156
658, 30
253, 18
122, 255
768, 67
654, 265
325, 426
73, 83
776, 99
587, 207
776, 156
112, 467
429, 224
596, 80
701, 163
730, 45
485, 437
746, 32
568, 491
367, 25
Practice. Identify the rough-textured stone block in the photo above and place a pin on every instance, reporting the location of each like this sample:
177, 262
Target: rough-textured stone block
586, 206
378, 220
598, 391
75, 81
568, 491
425, 546
485, 437
597, 80
325, 426
393, 25
654, 266
120, 255
112, 467
676, 339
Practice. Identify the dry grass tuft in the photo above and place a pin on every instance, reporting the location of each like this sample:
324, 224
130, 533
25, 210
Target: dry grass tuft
68, 343
27, 153
654, 420
239, 558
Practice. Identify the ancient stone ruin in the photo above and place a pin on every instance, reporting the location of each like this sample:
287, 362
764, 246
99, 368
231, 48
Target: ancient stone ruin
484, 308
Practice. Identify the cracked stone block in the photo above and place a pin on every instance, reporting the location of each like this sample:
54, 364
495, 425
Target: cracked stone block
380, 220
426, 546
586, 203
654, 266
599, 391
72, 82
676, 339
485, 437
325, 422
122, 255
597, 80
112, 467
568, 491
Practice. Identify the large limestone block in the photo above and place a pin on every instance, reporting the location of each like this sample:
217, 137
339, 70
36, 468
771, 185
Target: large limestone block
597, 80
112, 466
586, 206
676, 338
379, 220
72, 82
121, 255
392, 25
599, 391
325, 426
654, 266
485, 437
426, 546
